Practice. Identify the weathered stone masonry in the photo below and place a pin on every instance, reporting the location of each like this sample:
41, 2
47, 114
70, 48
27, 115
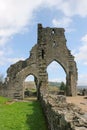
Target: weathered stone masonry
62, 115
51, 46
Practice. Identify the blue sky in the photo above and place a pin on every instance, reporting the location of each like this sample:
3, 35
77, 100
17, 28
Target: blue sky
18, 31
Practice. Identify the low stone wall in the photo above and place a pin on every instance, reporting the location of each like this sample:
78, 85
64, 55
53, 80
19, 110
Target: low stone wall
62, 115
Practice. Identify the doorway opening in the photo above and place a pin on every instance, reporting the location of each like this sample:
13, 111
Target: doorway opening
30, 90
56, 78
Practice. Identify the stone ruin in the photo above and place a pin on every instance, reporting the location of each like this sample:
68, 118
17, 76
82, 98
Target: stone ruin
62, 115
51, 46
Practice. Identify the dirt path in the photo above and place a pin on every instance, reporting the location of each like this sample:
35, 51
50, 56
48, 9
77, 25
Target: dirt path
80, 101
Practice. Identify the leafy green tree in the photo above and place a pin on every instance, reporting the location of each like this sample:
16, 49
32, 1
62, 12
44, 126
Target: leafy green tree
62, 86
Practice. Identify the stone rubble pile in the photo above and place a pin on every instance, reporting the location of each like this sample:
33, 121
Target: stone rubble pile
62, 115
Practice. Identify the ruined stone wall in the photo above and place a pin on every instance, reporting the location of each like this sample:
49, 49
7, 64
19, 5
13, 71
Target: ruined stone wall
51, 46
61, 115
1, 90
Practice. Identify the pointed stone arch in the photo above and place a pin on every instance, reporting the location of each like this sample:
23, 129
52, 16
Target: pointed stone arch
58, 66
51, 45
63, 67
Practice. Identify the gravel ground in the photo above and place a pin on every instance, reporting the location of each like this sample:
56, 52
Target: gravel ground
80, 101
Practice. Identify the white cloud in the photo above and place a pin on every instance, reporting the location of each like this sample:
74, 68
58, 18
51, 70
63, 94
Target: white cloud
81, 7
5, 60
4, 56
82, 54
74, 7
1, 53
81, 57
84, 39
82, 79
85, 63
69, 7
64, 22
14, 60
15, 15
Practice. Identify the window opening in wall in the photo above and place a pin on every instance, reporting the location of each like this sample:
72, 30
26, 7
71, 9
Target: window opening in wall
43, 54
53, 31
54, 43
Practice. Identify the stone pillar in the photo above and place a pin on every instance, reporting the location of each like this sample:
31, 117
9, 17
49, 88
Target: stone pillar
71, 85
68, 85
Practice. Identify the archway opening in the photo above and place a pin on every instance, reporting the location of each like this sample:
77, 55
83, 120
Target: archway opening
56, 78
30, 89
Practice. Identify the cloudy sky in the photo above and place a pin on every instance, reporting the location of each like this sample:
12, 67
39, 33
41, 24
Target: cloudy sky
18, 31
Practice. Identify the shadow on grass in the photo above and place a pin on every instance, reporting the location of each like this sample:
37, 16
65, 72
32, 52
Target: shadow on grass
36, 119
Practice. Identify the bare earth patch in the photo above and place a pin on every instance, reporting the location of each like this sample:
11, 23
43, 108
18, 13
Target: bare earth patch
80, 101
9, 102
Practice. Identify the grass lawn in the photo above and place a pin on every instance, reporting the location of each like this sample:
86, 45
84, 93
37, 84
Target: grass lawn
21, 116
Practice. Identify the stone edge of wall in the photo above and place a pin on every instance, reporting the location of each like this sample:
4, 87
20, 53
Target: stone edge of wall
61, 115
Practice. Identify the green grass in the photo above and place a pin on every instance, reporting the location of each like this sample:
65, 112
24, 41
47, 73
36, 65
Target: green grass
21, 116
3, 100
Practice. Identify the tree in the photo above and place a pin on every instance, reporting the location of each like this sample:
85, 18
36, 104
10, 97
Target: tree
62, 86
